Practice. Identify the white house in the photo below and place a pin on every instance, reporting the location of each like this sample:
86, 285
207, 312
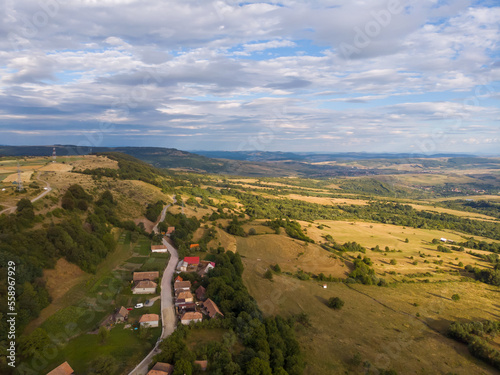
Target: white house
158, 249
145, 287
189, 317
149, 320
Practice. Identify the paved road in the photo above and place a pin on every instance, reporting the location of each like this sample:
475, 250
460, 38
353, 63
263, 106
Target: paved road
41, 195
163, 213
167, 302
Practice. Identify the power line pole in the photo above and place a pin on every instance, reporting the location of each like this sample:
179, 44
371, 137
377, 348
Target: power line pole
19, 179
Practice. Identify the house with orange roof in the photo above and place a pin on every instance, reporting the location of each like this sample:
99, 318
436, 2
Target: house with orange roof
149, 320
62, 369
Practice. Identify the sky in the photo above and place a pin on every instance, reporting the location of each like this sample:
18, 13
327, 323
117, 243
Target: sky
416, 76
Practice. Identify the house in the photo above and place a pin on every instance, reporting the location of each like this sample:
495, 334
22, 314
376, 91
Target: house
183, 297
178, 278
443, 239
182, 266
205, 268
183, 307
211, 308
170, 230
158, 249
121, 315
145, 287
192, 261
149, 320
63, 369
182, 285
194, 246
139, 276
189, 317
200, 293
202, 364
161, 368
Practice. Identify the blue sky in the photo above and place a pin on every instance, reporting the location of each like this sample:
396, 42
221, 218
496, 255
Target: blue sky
329, 76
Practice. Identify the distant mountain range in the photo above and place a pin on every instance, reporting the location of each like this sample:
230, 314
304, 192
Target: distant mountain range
263, 163
313, 157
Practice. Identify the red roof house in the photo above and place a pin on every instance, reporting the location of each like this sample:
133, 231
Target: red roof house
192, 260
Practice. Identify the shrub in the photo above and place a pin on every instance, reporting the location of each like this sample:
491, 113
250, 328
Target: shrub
394, 262
268, 275
335, 303
455, 297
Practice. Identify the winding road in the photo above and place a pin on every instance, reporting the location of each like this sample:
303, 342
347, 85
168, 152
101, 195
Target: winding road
167, 302
39, 196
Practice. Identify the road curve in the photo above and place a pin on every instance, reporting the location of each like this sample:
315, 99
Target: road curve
167, 302
39, 196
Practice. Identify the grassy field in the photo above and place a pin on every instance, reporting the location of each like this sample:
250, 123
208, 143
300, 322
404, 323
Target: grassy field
123, 345
380, 324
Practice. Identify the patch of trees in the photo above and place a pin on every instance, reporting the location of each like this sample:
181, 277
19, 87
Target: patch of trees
473, 334
481, 206
270, 346
76, 197
235, 228
472, 243
362, 273
487, 276
153, 210
259, 207
84, 241
292, 228
184, 229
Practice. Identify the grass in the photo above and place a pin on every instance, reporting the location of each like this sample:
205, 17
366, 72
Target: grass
137, 260
122, 344
379, 323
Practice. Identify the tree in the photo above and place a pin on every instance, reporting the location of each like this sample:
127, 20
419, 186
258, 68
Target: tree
269, 274
103, 365
335, 303
455, 297
103, 334
394, 262
183, 367
407, 240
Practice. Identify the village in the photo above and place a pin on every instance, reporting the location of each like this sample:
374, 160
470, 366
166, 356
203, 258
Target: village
190, 303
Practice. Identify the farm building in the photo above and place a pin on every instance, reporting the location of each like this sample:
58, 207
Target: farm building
200, 293
206, 266
182, 285
145, 287
211, 308
189, 317
139, 276
170, 230
63, 369
158, 249
121, 315
149, 320
161, 368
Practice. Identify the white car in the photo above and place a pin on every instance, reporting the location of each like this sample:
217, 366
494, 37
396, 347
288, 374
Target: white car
139, 305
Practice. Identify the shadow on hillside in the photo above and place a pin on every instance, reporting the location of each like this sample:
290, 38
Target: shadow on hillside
324, 301
437, 295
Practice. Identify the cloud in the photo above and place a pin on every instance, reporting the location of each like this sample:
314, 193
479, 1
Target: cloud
240, 70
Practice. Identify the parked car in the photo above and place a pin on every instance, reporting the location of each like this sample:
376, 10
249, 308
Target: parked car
139, 305
129, 308
147, 302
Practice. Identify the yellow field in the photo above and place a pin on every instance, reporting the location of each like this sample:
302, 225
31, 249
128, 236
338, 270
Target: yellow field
25, 177
327, 200
292, 255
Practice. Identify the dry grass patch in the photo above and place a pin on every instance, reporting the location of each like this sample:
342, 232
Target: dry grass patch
290, 254
62, 278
